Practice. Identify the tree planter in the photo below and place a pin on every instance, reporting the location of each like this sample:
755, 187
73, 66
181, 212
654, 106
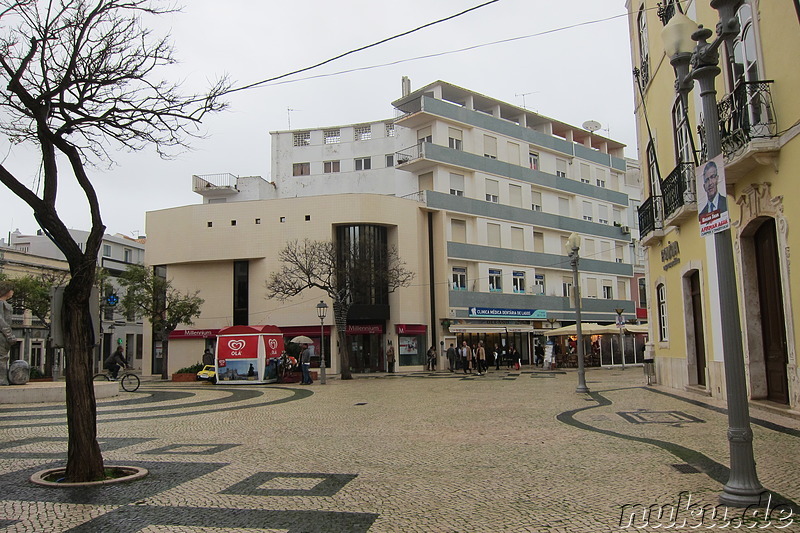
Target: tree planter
180, 378
121, 475
37, 380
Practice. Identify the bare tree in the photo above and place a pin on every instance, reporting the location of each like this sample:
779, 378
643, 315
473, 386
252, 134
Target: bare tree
80, 79
154, 297
345, 273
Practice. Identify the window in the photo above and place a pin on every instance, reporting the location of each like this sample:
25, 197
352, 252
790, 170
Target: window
563, 206
490, 146
127, 255
566, 287
233, 222
619, 251
517, 238
493, 234
644, 53
331, 166
642, 292
362, 133
589, 248
389, 160
424, 135
301, 169
538, 284
492, 191
458, 230
455, 139
459, 278
495, 280
241, 289
661, 302
518, 282
302, 138
591, 287
600, 180
513, 153
515, 195
561, 168
536, 200
456, 184
106, 250
332, 136
652, 171
587, 211
538, 241
602, 214
608, 291
533, 160
683, 135
621, 290
617, 217
586, 173
390, 129
363, 163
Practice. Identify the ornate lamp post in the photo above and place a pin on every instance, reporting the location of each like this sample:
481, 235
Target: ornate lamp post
679, 35
573, 247
322, 311
621, 325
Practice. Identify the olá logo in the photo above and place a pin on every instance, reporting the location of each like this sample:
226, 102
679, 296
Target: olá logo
235, 345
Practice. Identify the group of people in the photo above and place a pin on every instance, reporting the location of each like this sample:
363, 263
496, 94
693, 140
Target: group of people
475, 357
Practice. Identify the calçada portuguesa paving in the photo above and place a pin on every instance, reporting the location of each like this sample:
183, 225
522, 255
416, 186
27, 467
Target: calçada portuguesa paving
419, 452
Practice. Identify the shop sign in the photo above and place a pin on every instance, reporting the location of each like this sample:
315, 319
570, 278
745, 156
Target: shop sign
193, 334
490, 312
669, 255
364, 329
411, 329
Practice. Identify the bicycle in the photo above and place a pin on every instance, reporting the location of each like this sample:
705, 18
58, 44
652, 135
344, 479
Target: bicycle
130, 382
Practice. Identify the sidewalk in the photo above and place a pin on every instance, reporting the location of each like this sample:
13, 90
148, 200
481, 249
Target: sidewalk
427, 452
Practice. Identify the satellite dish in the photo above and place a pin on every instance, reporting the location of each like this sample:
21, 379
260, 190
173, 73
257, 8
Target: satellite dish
591, 125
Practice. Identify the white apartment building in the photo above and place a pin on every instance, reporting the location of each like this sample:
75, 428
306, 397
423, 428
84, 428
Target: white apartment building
478, 195
116, 253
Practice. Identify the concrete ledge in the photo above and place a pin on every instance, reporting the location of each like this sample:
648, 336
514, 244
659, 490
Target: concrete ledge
51, 392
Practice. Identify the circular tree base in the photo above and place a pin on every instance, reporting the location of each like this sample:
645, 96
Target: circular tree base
115, 474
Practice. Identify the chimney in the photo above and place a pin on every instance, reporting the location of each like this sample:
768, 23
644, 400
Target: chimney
406, 86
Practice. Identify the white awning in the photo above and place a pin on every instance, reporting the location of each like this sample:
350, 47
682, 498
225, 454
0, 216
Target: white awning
485, 328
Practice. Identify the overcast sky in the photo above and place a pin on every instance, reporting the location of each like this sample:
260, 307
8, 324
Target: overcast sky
573, 75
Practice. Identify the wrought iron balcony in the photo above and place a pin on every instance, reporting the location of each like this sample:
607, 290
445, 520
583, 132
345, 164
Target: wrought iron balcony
678, 190
412, 153
745, 114
651, 218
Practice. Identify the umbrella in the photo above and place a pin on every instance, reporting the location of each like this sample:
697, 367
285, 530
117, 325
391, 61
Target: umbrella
302, 339
587, 328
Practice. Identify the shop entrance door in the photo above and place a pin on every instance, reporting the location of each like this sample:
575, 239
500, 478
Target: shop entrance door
699, 337
366, 354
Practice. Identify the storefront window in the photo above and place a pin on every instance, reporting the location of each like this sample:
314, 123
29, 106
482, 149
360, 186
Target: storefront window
411, 350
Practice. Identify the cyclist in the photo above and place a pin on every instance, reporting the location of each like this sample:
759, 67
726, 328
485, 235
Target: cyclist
115, 361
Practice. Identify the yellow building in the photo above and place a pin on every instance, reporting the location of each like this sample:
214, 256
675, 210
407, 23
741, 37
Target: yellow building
759, 127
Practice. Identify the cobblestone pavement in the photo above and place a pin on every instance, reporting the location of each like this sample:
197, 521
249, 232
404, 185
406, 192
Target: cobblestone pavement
425, 452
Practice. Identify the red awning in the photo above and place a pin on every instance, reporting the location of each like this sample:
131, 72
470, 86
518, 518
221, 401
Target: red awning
193, 334
248, 330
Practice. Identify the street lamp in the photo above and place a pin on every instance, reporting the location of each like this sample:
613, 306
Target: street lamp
621, 325
743, 487
322, 311
573, 246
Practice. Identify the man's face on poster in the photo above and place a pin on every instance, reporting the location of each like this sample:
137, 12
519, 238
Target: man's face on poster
710, 181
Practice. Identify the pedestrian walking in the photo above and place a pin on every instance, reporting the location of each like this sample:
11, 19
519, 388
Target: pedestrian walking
481, 359
451, 357
390, 359
539, 352
509, 357
432, 358
466, 357
305, 363
208, 358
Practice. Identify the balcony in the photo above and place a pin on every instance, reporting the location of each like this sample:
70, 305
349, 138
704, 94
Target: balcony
215, 185
651, 221
748, 129
412, 158
678, 193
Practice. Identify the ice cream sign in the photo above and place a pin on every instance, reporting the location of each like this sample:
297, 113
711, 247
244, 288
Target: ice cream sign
244, 347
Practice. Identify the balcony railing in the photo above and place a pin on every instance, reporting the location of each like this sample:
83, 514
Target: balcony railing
745, 114
410, 154
678, 189
651, 215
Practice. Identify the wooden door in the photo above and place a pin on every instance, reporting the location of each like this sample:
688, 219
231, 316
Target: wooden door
699, 336
773, 329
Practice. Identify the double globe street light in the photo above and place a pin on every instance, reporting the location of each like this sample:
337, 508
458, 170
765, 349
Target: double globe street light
679, 36
322, 311
573, 246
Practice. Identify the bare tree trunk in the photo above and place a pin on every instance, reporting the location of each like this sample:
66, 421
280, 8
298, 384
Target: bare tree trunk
164, 356
84, 460
340, 315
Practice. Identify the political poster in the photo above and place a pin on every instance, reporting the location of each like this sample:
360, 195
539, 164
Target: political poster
712, 199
